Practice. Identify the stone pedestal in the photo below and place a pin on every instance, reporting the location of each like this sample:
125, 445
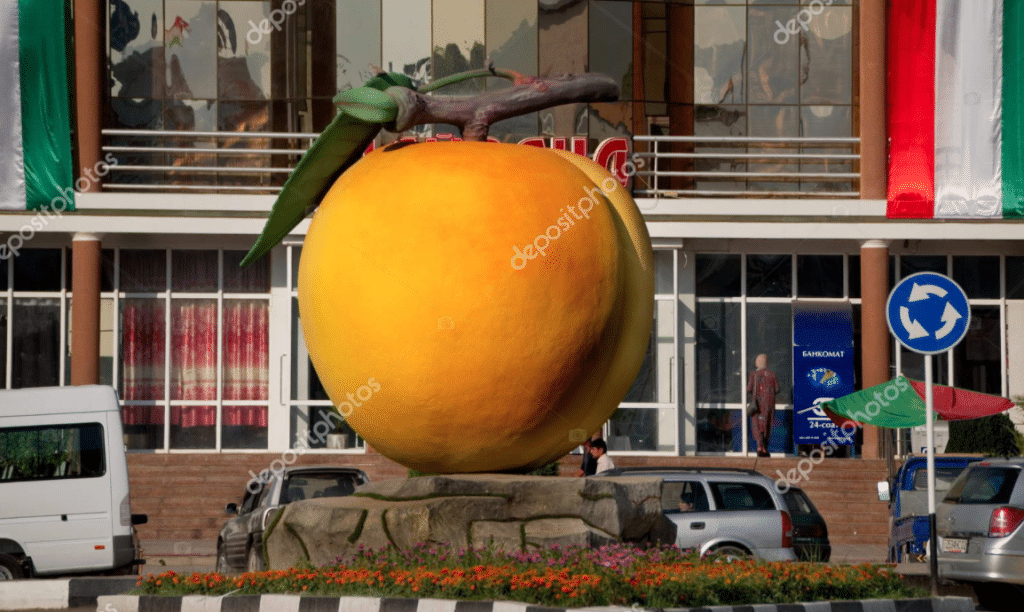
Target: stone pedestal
512, 512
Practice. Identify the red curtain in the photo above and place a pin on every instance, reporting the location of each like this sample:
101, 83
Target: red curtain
193, 365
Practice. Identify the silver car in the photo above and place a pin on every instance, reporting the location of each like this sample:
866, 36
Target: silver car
980, 536
732, 512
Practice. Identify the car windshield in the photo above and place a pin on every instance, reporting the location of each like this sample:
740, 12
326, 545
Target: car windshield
313, 485
984, 485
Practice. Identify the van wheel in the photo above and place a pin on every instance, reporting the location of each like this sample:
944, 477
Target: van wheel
10, 569
254, 562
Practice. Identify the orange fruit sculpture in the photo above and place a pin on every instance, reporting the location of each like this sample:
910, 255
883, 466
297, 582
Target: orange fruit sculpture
474, 306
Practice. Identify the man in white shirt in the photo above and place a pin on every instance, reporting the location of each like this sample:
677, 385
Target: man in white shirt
599, 451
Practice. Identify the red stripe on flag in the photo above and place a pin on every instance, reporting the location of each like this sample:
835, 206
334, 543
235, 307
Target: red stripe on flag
911, 101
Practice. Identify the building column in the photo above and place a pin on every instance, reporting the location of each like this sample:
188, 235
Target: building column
871, 75
85, 309
874, 331
90, 64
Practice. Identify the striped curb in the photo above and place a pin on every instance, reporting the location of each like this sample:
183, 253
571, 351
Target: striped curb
60, 593
296, 603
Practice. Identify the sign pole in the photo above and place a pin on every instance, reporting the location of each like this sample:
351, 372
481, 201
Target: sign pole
933, 550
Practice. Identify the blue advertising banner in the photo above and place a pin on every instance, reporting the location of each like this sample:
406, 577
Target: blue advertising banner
822, 368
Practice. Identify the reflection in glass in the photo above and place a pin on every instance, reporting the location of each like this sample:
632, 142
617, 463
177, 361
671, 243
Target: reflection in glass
977, 276
826, 55
633, 429
37, 270
718, 275
715, 427
137, 49
773, 122
912, 365
770, 331
306, 429
458, 45
718, 353
819, 276
723, 121
774, 68
720, 44
511, 36
976, 357
357, 38
912, 264
611, 43
826, 122
406, 43
1014, 277
664, 271
243, 58
244, 427
190, 38
35, 351
769, 276
563, 42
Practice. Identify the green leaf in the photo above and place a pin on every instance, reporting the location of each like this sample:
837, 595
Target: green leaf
367, 104
363, 111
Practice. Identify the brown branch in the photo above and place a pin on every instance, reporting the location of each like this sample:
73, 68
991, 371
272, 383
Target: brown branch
475, 114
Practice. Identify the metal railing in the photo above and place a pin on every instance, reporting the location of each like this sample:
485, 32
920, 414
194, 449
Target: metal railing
674, 166
746, 167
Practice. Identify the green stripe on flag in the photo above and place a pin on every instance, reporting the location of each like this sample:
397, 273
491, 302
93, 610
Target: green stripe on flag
1013, 110
894, 404
45, 102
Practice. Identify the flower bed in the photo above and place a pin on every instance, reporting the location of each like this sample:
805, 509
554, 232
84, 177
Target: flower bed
558, 576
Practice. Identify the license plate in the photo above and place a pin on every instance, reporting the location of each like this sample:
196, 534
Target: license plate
954, 545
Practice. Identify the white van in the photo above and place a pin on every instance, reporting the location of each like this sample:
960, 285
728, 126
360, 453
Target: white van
64, 504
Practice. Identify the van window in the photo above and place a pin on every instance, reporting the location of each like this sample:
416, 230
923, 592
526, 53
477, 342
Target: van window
944, 477
51, 452
984, 485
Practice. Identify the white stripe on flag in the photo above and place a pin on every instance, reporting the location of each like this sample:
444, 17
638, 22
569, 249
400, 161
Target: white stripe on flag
968, 108
12, 170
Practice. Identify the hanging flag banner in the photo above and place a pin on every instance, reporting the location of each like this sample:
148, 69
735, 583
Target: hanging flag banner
899, 403
822, 368
955, 90
35, 135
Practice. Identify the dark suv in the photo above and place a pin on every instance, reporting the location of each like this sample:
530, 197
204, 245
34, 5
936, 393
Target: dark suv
240, 543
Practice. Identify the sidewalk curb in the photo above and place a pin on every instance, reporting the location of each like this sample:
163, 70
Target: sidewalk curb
296, 603
61, 592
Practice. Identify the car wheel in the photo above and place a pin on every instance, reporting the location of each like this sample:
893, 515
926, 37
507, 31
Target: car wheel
999, 597
254, 561
727, 553
222, 567
10, 569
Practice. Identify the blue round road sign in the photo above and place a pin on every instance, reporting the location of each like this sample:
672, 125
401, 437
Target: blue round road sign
928, 313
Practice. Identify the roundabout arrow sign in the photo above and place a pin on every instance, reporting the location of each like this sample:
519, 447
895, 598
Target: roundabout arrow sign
928, 313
